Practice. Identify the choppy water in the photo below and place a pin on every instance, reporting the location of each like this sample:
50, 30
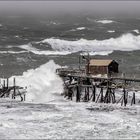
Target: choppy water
28, 42
68, 120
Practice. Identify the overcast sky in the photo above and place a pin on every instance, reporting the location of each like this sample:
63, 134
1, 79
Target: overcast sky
53, 7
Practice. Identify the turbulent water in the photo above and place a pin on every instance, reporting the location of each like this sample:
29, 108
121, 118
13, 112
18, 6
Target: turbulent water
32, 48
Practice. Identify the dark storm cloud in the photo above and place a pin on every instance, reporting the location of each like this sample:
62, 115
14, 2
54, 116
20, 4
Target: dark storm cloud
55, 7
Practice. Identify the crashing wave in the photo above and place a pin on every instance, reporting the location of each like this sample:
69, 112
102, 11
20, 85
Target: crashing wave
42, 83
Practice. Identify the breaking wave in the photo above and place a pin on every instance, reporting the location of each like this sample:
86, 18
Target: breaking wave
30, 48
126, 42
78, 29
136, 31
42, 83
111, 31
12, 52
105, 21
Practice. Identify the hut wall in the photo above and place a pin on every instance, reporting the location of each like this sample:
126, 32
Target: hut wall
98, 70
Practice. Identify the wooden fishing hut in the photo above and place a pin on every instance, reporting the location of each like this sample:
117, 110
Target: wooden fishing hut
102, 66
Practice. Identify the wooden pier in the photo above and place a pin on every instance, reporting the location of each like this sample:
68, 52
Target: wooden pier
85, 87
8, 91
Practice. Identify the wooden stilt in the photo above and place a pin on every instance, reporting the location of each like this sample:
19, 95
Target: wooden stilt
77, 94
97, 98
109, 95
106, 96
133, 101
85, 96
7, 83
102, 97
70, 93
119, 100
87, 93
113, 96
124, 97
134, 98
4, 84
122, 101
24, 97
94, 93
14, 85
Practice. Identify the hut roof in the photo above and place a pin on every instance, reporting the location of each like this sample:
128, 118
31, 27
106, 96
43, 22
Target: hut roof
100, 62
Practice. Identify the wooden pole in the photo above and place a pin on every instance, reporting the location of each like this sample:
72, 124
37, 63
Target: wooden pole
106, 96
134, 98
106, 99
133, 101
70, 93
109, 95
102, 97
94, 93
77, 94
24, 98
4, 84
85, 96
98, 97
124, 97
87, 93
113, 96
14, 84
122, 100
7, 83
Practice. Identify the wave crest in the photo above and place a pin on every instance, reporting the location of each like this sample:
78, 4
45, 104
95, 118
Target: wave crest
126, 42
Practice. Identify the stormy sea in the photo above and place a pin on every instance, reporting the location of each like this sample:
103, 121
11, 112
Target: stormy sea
32, 48
28, 42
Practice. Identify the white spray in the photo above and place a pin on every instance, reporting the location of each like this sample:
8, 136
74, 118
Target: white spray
42, 83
